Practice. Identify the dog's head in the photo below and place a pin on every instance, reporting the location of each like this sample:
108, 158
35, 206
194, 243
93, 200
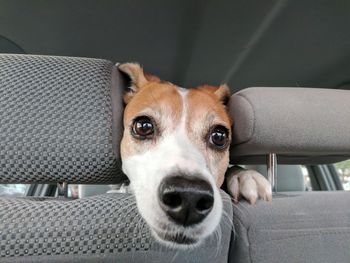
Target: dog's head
175, 152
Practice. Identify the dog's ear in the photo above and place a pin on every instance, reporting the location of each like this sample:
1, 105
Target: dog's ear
152, 78
222, 92
137, 79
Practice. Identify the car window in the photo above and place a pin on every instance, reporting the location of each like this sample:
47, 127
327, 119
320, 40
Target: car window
343, 170
83, 190
307, 180
13, 190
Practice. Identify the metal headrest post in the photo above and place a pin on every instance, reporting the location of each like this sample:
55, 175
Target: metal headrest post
272, 170
62, 190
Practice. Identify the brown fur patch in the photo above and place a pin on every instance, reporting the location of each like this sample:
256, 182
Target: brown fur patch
163, 102
160, 100
207, 110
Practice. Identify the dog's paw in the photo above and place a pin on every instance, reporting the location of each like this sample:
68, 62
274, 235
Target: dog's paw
247, 183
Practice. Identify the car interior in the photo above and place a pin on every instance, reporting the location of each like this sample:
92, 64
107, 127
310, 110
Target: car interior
63, 195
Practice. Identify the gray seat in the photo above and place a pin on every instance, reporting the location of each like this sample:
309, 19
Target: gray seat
294, 124
61, 122
295, 227
102, 228
298, 124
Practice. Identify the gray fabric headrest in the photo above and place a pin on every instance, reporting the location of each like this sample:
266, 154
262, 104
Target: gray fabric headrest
58, 119
300, 125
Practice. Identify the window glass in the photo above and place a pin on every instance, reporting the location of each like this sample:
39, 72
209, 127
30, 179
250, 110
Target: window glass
82, 190
13, 190
307, 180
343, 170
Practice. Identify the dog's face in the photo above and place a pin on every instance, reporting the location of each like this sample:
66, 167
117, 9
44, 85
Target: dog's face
175, 152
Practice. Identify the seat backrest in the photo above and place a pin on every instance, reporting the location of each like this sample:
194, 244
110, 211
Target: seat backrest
60, 120
301, 126
310, 227
297, 124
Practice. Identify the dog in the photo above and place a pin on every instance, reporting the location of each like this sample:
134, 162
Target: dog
175, 152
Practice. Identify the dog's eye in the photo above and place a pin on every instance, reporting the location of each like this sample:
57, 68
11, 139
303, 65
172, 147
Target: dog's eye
143, 128
219, 137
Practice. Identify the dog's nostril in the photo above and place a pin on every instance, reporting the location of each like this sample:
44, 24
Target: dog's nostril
172, 200
205, 203
186, 201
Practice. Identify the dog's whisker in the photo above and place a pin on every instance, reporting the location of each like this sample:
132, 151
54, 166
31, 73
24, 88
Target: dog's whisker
130, 201
140, 223
226, 198
128, 197
227, 216
241, 208
229, 225
130, 205
175, 255
218, 238
131, 209
228, 221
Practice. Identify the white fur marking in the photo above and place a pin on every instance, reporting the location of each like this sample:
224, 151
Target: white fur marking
248, 183
173, 152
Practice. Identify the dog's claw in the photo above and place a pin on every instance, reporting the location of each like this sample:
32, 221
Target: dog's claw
249, 184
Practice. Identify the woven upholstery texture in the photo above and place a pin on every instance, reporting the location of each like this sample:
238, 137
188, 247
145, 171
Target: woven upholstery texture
56, 120
297, 124
303, 227
60, 230
47, 226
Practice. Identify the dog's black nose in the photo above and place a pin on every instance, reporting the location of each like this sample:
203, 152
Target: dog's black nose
186, 200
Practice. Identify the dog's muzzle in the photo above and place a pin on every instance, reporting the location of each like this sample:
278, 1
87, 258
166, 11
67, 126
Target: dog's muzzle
186, 201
